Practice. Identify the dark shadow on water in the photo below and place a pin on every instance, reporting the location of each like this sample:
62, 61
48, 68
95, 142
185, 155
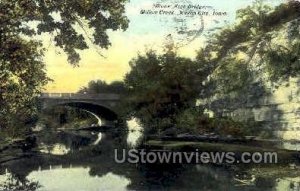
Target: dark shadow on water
95, 164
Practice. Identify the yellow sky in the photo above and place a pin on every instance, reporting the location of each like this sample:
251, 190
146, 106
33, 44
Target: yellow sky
144, 32
92, 66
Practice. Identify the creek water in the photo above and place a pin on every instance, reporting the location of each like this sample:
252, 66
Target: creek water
84, 161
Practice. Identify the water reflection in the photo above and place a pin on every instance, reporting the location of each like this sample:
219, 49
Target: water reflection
85, 161
135, 132
77, 179
56, 149
294, 146
99, 138
288, 184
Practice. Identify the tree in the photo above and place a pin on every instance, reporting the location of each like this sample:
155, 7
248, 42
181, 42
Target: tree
160, 86
22, 73
99, 86
253, 35
21, 78
261, 46
61, 18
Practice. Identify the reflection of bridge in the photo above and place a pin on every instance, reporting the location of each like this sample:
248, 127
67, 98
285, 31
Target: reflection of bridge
103, 105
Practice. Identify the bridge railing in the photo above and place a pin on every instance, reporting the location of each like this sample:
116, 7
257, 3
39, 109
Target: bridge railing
80, 96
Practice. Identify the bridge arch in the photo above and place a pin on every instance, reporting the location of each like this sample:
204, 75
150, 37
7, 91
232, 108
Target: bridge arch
101, 111
102, 105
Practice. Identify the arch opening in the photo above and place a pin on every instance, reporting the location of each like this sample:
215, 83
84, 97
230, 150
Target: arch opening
100, 111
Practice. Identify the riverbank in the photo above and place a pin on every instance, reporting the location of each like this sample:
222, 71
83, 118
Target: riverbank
284, 156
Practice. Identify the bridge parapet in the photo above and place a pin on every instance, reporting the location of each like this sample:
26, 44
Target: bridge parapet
103, 105
79, 96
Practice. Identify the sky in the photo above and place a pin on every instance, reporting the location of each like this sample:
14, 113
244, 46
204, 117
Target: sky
145, 31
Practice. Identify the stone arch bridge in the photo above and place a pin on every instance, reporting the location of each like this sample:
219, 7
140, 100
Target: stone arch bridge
105, 106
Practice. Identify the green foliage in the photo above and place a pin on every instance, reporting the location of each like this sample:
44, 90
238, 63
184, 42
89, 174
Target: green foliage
188, 121
163, 88
232, 76
61, 19
224, 126
15, 131
21, 79
253, 28
66, 117
160, 86
99, 86
261, 46
193, 121
253, 35
283, 62
22, 71
14, 183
